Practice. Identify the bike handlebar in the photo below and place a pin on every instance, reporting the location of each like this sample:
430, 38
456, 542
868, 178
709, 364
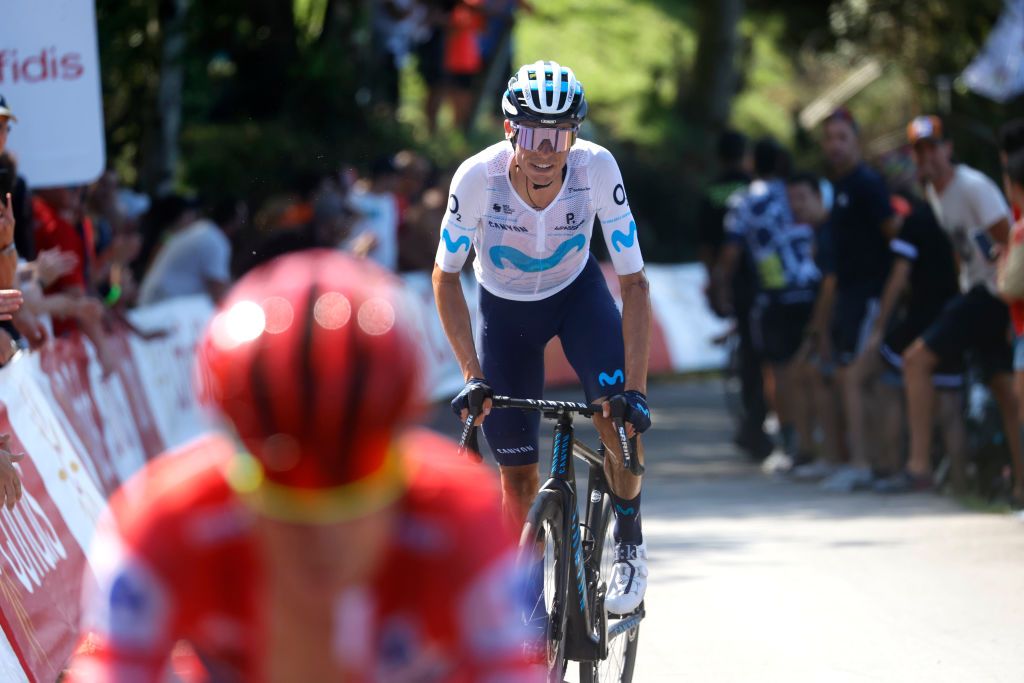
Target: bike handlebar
469, 443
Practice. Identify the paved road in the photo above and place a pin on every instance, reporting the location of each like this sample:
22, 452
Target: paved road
755, 579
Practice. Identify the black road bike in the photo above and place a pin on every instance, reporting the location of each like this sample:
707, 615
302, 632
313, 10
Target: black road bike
572, 558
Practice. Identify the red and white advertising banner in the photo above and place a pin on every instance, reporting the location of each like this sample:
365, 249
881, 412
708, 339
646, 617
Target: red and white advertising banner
50, 77
84, 434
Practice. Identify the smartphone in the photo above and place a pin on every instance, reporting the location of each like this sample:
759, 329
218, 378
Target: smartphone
6, 182
986, 245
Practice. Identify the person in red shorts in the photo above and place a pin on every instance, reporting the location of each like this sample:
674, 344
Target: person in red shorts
319, 537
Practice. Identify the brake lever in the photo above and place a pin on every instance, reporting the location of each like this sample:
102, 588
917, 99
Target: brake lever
469, 442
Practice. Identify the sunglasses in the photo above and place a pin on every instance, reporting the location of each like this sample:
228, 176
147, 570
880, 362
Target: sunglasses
530, 138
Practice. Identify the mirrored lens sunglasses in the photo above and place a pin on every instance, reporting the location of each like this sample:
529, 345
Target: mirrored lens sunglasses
531, 138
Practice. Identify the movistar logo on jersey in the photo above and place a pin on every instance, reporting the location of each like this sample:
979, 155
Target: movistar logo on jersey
606, 380
621, 239
528, 264
454, 245
507, 226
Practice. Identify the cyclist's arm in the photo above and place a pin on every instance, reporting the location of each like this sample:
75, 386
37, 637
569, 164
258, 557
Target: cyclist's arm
636, 328
622, 238
454, 315
458, 227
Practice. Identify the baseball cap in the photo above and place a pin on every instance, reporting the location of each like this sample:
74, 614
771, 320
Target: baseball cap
924, 128
5, 110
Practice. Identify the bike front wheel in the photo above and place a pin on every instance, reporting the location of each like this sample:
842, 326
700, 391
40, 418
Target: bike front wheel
544, 561
623, 632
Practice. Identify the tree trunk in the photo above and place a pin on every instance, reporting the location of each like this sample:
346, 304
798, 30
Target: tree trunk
162, 159
708, 101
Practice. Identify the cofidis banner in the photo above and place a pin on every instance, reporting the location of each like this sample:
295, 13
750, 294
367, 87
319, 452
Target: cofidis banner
50, 77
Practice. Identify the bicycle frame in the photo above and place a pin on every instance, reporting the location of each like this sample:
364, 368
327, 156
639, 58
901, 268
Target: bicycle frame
582, 643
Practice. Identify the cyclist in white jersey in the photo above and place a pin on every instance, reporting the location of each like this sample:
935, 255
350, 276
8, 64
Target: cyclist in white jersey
527, 206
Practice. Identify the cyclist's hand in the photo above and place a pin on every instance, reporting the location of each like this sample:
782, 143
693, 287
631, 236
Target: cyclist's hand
638, 415
475, 397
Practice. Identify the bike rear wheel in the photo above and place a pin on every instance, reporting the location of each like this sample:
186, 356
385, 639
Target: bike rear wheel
617, 667
544, 559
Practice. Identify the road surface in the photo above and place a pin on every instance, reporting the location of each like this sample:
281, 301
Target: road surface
757, 579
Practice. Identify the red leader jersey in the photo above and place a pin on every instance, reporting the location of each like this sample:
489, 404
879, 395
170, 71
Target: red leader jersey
178, 560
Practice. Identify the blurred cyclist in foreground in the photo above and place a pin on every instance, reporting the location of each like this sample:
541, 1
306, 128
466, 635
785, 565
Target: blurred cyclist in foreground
323, 539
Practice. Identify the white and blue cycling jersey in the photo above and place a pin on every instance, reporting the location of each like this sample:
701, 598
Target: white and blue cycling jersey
527, 254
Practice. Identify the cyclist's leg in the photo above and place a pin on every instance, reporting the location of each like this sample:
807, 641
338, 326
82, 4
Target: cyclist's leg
512, 340
591, 335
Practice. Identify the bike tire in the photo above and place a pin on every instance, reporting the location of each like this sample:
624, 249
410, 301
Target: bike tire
618, 666
544, 537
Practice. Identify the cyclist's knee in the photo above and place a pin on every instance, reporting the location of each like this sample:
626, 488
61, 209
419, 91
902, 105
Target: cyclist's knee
520, 482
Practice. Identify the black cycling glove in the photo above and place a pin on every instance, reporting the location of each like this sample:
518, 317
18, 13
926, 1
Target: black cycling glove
637, 412
472, 396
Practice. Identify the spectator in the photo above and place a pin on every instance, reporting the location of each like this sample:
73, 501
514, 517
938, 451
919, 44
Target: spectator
10, 301
430, 56
787, 282
374, 198
60, 223
923, 276
397, 26
24, 238
974, 214
462, 58
496, 46
195, 259
1012, 279
418, 236
23, 324
807, 202
734, 176
862, 225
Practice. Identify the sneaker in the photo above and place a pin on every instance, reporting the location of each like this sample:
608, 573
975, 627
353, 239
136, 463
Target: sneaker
629, 579
813, 471
848, 479
903, 482
777, 463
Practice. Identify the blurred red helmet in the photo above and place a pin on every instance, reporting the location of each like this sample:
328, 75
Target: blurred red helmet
312, 360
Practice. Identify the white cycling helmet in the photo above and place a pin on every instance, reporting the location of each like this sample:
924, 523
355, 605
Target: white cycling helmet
544, 93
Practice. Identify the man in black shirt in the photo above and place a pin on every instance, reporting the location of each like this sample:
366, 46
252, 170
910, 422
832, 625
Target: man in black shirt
20, 198
734, 160
924, 277
862, 225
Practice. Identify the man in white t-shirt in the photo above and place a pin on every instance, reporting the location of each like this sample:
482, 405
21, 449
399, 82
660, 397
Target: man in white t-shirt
973, 212
195, 259
374, 198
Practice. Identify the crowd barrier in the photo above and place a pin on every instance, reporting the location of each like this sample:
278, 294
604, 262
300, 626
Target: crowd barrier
84, 434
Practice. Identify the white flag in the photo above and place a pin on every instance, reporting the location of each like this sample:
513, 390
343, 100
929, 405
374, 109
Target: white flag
998, 70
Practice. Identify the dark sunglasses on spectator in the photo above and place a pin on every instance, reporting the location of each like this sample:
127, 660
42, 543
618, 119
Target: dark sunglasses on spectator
531, 138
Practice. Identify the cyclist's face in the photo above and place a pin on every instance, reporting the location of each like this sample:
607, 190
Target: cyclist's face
542, 165
840, 144
313, 558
